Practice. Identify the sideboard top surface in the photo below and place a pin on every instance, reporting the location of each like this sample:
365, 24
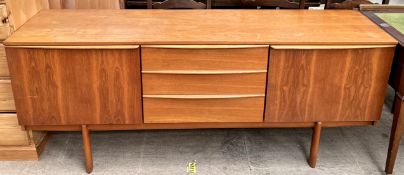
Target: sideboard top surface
126, 27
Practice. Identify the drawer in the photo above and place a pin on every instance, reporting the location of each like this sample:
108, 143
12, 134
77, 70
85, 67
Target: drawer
183, 84
177, 58
3, 63
203, 108
6, 97
10, 132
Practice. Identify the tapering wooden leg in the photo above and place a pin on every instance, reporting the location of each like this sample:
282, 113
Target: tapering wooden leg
87, 148
315, 144
395, 136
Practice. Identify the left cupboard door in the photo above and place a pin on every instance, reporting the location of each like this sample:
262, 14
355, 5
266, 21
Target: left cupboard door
76, 85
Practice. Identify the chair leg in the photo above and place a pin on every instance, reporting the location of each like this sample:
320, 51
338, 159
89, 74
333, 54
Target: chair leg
302, 4
87, 148
394, 103
395, 136
315, 144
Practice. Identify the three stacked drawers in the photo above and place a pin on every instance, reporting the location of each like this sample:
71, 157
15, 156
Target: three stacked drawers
204, 83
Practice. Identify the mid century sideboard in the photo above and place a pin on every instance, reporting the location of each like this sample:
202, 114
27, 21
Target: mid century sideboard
90, 70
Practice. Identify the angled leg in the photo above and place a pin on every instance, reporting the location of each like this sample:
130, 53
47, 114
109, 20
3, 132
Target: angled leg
315, 144
395, 136
87, 148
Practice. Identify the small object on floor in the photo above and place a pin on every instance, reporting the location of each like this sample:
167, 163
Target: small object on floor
191, 168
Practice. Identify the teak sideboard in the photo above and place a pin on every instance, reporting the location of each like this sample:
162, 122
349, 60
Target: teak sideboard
89, 70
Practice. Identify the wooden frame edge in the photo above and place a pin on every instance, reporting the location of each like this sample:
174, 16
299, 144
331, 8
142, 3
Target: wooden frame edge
77, 47
376, 7
204, 46
330, 46
159, 126
203, 72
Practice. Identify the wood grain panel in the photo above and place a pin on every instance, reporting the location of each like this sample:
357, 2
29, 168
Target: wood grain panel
327, 85
4, 73
6, 97
154, 84
10, 132
203, 110
204, 59
103, 27
76, 86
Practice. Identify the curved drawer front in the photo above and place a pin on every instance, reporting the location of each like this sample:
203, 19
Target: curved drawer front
154, 84
183, 109
194, 58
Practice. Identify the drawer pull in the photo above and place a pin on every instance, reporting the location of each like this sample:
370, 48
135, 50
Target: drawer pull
203, 96
204, 72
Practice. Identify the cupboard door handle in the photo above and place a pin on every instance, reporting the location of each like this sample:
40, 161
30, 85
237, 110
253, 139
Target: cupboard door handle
204, 72
203, 96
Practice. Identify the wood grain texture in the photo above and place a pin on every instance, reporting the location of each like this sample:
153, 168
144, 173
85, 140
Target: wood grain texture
22, 10
11, 133
59, 86
203, 110
4, 73
154, 84
6, 97
327, 85
106, 27
204, 59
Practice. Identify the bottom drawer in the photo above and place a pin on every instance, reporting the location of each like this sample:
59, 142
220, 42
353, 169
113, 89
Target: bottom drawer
10, 132
160, 109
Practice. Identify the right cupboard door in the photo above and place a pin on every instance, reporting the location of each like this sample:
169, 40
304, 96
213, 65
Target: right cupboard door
320, 83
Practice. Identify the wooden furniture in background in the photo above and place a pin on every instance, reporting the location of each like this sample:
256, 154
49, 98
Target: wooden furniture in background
15, 143
87, 4
236, 72
238, 4
346, 4
396, 78
179, 4
22, 10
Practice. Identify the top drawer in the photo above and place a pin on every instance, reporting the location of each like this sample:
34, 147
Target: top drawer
165, 58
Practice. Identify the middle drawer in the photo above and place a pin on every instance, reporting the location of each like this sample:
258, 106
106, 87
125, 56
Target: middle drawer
226, 84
